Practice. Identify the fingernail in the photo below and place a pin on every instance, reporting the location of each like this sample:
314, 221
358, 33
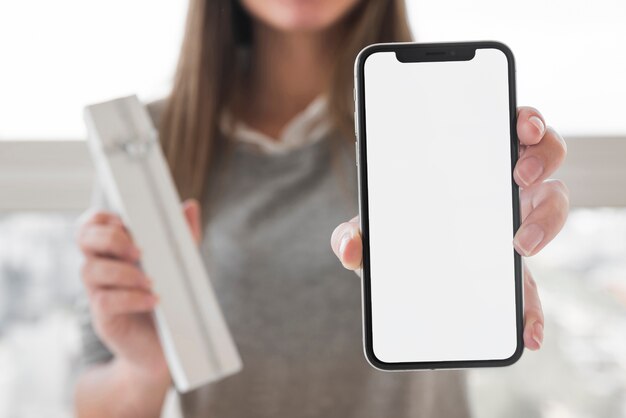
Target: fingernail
538, 333
527, 238
535, 120
147, 281
529, 169
345, 239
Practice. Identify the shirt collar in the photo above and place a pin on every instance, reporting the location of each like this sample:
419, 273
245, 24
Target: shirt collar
307, 127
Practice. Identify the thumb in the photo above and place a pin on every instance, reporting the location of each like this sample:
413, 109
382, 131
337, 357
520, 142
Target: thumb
347, 245
191, 209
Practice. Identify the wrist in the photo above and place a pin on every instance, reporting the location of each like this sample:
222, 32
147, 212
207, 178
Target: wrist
149, 377
144, 389
121, 389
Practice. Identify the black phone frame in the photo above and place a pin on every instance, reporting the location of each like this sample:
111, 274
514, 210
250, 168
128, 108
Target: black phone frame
429, 52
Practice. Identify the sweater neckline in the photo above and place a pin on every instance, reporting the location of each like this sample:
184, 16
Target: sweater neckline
307, 127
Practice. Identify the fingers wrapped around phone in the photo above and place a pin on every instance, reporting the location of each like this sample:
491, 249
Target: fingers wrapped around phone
544, 211
542, 149
533, 313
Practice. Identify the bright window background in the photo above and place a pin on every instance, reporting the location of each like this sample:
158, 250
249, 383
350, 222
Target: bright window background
569, 53
58, 56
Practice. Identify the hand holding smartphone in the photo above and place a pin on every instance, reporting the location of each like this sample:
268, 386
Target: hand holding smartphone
436, 147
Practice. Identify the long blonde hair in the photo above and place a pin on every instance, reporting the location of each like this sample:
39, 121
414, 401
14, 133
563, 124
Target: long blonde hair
205, 78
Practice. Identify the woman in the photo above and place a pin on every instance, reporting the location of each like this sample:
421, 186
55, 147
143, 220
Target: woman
258, 128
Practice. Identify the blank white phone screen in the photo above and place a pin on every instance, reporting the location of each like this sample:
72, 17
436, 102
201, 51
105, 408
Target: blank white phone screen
440, 208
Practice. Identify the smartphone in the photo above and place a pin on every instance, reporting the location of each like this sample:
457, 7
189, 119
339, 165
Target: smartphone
436, 147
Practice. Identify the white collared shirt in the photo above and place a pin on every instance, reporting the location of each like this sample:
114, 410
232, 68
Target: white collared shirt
306, 127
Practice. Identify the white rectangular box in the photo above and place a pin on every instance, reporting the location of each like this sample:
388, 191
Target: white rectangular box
130, 164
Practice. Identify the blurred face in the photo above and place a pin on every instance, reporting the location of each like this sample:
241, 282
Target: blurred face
298, 15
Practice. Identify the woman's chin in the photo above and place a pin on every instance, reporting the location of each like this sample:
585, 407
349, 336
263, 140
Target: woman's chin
305, 25
299, 15
302, 22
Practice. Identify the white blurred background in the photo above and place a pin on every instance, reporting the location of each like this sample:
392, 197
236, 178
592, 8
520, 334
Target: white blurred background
55, 57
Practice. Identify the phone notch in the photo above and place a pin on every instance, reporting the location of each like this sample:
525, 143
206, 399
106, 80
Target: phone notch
421, 54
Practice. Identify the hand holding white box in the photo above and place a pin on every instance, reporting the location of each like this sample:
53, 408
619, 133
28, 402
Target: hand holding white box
124, 145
